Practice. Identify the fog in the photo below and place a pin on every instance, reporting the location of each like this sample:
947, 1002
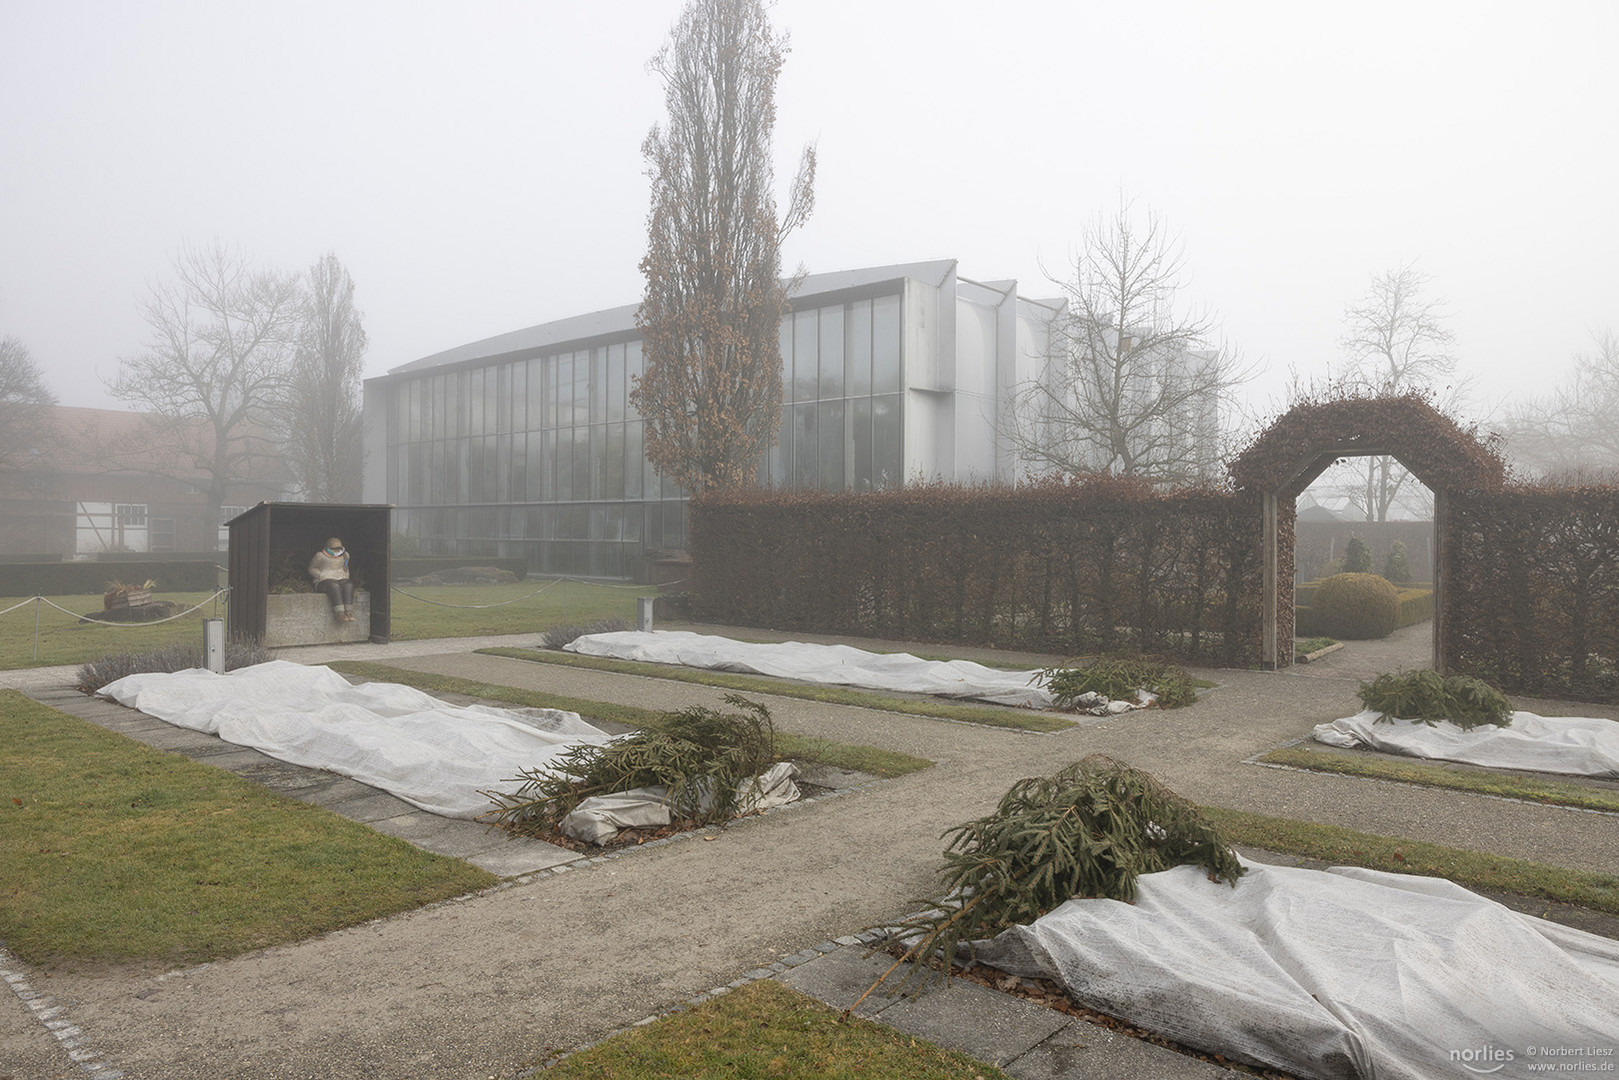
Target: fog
478, 169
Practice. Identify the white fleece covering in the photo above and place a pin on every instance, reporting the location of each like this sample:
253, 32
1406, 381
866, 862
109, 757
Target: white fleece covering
1576, 745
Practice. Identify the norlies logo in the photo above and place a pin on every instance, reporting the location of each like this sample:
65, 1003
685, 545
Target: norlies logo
1484, 1059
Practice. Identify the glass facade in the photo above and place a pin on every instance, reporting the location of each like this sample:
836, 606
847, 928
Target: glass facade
842, 406
541, 457
538, 459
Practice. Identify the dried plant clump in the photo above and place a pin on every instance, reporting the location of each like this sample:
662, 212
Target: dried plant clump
98, 673
1119, 678
700, 755
1429, 697
1090, 830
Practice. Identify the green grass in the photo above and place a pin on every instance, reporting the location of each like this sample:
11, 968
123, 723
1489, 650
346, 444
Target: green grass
1019, 719
1471, 869
113, 852
521, 613
867, 759
64, 640
765, 1029
1528, 788
1305, 646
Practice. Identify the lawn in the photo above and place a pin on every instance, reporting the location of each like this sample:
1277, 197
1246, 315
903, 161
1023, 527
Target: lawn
989, 715
428, 612
111, 851
805, 748
765, 1029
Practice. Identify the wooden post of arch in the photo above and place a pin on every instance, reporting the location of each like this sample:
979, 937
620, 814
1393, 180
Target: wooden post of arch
1270, 556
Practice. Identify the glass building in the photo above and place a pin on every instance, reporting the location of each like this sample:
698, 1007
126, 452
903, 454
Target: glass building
526, 446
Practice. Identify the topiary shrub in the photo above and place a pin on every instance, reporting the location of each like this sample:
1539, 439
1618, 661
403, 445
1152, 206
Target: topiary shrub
1357, 557
1397, 567
1355, 607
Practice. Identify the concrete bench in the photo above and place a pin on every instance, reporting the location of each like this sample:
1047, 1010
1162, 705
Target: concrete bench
307, 619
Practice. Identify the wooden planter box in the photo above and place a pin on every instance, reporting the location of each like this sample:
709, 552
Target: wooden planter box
307, 619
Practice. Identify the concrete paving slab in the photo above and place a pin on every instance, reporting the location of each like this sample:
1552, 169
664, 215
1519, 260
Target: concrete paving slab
520, 855
839, 978
988, 1025
1085, 1051
367, 805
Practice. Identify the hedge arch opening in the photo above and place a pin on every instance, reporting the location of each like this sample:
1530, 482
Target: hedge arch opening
1314, 434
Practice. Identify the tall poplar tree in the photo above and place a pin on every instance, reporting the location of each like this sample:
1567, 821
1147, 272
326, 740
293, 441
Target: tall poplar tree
711, 390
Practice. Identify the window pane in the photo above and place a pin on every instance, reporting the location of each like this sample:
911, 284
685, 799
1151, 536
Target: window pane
548, 466
581, 389
885, 345
615, 383
806, 453
413, 427
564, 391
503, 469
535, 470
564, 460
536, 402
786, 339
832, 354
857, 348
612, 458
885, 442
633, 369
634, 460
475, 402
806, 371
598, 386
831, 424
519, 396
491, 400
581, 463
859, 446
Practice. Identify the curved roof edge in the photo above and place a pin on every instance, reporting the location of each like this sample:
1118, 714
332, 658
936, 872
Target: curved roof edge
620, 320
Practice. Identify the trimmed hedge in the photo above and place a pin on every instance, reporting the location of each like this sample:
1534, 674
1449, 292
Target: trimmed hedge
1087, 566
1532, 601
92, 578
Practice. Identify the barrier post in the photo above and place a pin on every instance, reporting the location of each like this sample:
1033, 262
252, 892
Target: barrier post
644, 613
213, 645
37, 601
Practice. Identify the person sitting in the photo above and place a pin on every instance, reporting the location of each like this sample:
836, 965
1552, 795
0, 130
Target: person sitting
330, 571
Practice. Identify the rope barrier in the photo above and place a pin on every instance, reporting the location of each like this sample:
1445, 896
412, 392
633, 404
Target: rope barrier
124, 625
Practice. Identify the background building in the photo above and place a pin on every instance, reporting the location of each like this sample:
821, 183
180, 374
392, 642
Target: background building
525, 445
103, 480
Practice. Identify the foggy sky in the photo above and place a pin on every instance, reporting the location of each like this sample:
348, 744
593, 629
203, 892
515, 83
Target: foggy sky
478, 170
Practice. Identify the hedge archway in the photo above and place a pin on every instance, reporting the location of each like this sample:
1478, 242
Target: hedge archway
1306, 440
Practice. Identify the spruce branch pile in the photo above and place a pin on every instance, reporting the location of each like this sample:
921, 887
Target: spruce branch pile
1090, 830
1118, 679
1429, 697
704, 758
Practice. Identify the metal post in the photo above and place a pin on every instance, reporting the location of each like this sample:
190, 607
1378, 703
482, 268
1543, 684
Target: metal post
644, 613
213, 645
36, 629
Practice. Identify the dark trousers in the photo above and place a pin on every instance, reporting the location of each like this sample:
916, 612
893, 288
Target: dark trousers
340, 593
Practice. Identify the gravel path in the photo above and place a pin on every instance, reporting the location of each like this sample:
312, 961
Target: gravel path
491, 985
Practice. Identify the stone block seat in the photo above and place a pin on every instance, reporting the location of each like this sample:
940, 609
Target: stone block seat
307, 619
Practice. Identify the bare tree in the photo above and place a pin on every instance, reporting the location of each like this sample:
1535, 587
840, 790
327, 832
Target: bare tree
319, 411
714, 300
220, 350
1570, 432
1135, 386
1396, 340
24, 397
